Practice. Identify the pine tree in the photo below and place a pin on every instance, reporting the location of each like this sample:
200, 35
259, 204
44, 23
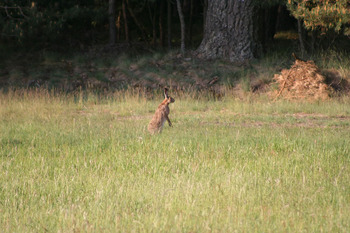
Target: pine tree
321, 14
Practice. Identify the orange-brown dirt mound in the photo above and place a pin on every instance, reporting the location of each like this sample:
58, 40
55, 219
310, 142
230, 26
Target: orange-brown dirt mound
302, 81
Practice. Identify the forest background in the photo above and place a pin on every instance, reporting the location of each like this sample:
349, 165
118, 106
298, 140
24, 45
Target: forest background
117, 44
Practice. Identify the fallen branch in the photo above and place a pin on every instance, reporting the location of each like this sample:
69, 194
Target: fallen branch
283, 85
14, 7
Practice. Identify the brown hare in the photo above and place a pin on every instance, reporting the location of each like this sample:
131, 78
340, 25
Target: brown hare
161, 114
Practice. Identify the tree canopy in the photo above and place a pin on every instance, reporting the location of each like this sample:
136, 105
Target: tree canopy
321, 14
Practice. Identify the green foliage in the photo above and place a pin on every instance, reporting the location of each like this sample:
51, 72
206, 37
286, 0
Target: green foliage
324, 14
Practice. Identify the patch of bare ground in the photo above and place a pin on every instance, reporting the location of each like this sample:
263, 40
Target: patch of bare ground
315, 116
299, 120
134, 117
116, 115
258, 124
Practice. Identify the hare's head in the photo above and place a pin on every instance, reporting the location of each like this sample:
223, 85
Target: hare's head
168, 98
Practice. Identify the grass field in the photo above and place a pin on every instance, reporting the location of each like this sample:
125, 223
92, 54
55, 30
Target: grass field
87, 164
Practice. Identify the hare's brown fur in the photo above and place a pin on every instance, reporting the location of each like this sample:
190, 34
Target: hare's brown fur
161, 115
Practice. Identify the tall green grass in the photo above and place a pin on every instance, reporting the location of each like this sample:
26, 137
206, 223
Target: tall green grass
86, 163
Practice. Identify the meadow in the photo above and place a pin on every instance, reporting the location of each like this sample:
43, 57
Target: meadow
86, 163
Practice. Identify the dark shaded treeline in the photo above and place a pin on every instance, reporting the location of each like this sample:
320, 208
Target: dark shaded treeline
80, 23
85, 22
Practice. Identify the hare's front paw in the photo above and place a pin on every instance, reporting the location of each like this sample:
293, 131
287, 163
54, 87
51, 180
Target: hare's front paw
171, 125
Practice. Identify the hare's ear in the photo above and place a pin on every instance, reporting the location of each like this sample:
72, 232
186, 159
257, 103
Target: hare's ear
166, 93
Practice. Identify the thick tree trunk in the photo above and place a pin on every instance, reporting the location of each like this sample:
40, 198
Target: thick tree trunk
182, 23
112, 27
228, 32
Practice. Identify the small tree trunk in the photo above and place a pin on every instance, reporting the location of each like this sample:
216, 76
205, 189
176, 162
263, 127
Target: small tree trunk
190, 24
118, 25
112, 26
127, 39
169, 24
301, 39
137, 22
153, 20
161, 31
154, 37
270, 23
313, 40
259, 29
182, 23
278, 18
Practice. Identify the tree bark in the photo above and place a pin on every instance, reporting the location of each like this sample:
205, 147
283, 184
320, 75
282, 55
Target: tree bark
228, 31
112, 26
182, 23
